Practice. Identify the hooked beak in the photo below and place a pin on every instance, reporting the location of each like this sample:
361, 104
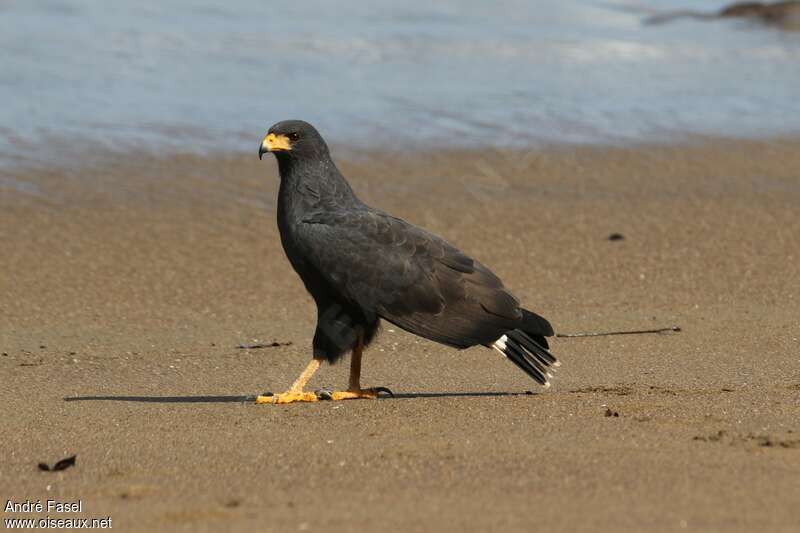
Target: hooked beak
274, 143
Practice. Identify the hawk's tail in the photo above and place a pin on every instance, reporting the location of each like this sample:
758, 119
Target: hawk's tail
527, 347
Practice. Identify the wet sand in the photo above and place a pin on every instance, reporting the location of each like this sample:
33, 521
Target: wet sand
128, 284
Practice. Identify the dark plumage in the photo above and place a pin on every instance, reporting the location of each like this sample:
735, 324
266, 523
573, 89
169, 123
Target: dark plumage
361, 265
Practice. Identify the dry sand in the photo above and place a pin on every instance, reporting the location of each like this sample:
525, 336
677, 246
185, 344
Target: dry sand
127, 285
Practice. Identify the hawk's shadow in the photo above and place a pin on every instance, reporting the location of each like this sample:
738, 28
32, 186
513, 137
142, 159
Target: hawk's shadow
252, 398
163, 399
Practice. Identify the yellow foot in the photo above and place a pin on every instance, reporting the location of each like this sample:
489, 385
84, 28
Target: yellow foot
288, 397
360, 394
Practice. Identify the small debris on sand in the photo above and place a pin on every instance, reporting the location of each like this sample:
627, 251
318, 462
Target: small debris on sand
63, 464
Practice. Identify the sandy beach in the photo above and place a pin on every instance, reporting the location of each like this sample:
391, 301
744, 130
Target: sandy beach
128, 284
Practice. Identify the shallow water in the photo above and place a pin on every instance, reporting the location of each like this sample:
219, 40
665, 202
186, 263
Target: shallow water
202, 75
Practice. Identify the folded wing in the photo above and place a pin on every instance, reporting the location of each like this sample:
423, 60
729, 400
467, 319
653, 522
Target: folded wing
409, 277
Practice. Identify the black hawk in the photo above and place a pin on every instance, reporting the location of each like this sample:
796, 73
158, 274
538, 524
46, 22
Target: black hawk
362, 265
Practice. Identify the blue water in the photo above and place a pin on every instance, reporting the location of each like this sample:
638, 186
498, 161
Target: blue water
202, 75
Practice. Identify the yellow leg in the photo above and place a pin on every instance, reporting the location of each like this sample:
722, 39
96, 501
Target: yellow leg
354, 391
295, 392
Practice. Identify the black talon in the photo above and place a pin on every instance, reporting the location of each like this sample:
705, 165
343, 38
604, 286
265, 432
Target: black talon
384, 389
323, 394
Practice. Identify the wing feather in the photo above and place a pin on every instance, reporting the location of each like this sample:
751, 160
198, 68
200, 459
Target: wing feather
408, 276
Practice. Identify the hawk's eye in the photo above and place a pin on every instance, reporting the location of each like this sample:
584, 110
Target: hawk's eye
293, 136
